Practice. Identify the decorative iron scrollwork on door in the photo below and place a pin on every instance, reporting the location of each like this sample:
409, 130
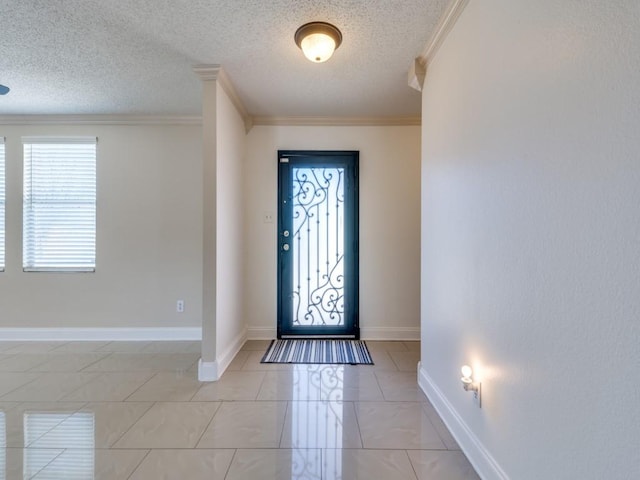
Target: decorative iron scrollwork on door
318, 241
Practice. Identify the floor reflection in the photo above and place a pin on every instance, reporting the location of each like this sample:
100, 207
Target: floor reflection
63, 439
317, 424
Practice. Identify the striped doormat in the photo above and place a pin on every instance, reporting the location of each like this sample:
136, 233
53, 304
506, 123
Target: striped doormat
354, 352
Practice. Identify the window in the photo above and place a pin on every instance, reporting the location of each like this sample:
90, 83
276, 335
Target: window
2, 202
59, 204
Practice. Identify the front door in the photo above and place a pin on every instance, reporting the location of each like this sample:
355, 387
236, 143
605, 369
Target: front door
318, 244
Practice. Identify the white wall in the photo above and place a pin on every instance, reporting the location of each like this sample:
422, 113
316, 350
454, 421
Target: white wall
231, 148
389, 223
530, 230
149, 234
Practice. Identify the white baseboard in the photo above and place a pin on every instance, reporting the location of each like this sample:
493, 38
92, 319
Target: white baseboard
66, 334
261, 333
483, 462
232, 350
212, 371
390, 333
207, 371
366, 333
101, 334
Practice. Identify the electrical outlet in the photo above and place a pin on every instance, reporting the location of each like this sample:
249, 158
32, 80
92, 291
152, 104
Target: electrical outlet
180, 306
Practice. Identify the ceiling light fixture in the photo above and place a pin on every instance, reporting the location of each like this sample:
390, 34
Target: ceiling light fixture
4, 90
318, 40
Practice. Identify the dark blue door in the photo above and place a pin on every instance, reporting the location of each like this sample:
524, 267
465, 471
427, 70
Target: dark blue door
318, 244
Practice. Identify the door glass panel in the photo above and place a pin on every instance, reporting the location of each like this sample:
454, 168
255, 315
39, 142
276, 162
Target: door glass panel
317, 242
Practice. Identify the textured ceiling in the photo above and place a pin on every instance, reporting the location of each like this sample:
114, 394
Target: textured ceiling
136, 56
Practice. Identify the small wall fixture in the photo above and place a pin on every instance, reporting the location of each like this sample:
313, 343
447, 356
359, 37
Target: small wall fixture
318, 40
469, 385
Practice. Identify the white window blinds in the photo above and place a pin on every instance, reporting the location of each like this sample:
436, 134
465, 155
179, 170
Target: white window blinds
59, 204
2, 203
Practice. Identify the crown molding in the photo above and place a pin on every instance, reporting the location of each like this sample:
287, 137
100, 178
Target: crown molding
444, 26
417, 73
100, 120
230, 90
217, 73
197, 120
207, 72
418, 68
337, 121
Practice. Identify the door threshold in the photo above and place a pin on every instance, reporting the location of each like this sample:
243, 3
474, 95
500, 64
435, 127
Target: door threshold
318, 337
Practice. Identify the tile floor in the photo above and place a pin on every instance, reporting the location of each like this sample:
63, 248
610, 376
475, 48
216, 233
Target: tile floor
135, 410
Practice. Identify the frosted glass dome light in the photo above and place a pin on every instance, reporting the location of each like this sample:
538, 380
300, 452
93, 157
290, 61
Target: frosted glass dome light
318, 40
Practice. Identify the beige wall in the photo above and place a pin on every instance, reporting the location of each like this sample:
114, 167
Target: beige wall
530, 228
231, 147
224, 140
149, 235
151, 221
389, 223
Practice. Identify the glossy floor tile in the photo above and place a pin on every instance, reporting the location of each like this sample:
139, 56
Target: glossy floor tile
144, 362
252, 363
233, 385
29, 421
136, 411
350, 464
167, 387
79, 347
21, 363
256, 345
32, 347
238, 361
19, 463
169, 425
104, 422
172, 347
406, 361
432, 465
400, 387
245, 424
49, 387
321, 383
10, 381
321, 425
440, 427
88, 464
110, 387
412, 346
276, 465
67, 362
184, 464
393, 425
124, 347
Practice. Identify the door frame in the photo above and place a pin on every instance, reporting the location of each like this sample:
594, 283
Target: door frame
349, 159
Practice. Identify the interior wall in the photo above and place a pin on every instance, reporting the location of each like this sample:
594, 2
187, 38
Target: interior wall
149, 234
389, 223
231, 148
530, 228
